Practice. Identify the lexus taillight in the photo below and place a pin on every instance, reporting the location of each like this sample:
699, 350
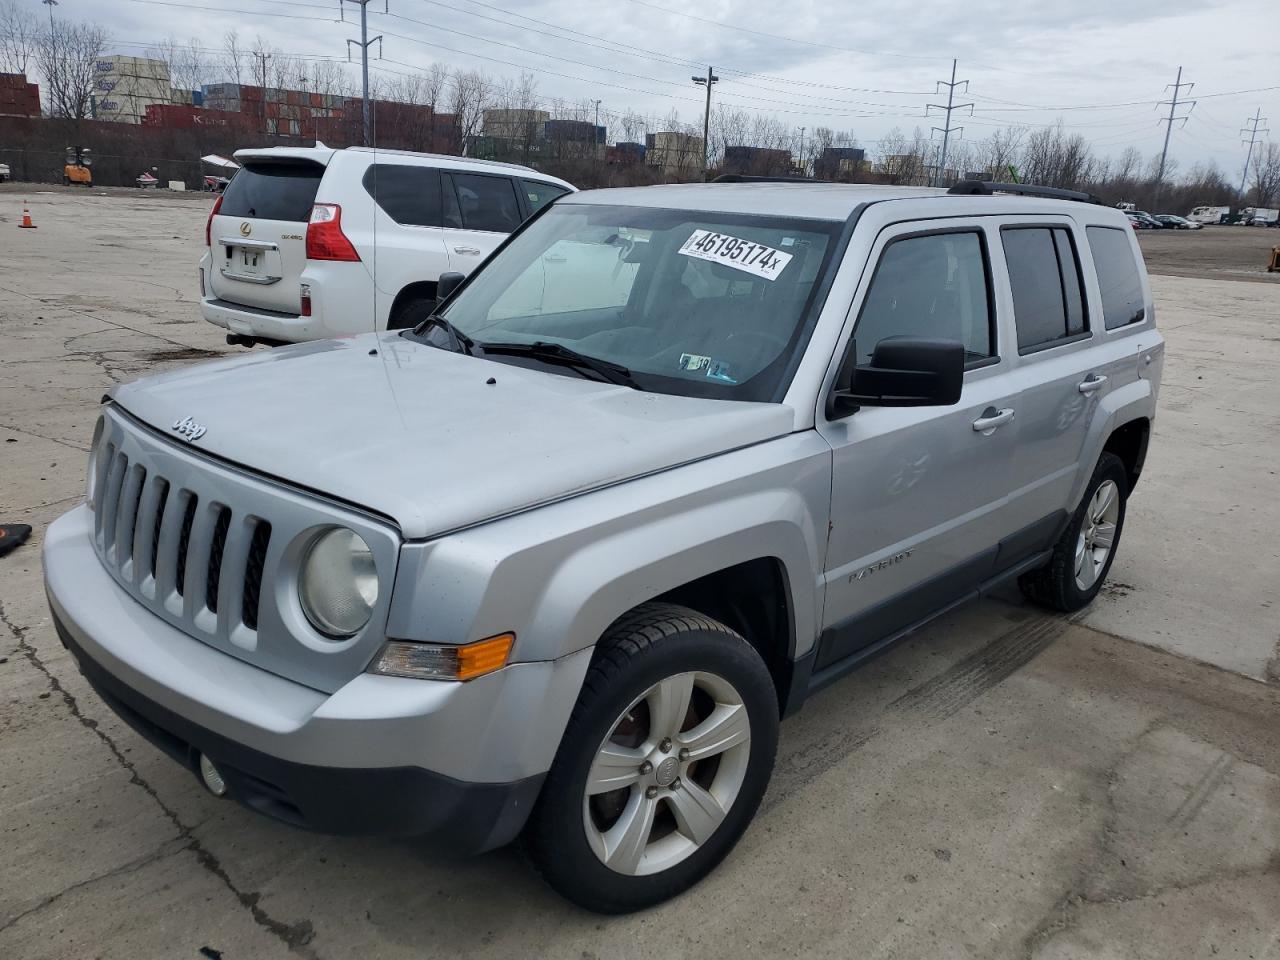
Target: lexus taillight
325, 239
208, 224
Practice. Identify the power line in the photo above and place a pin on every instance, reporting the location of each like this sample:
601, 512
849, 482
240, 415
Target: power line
1258, 119
779, 36
646, 53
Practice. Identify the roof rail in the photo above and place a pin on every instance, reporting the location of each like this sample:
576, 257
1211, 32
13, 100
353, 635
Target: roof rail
744, 178
986, 188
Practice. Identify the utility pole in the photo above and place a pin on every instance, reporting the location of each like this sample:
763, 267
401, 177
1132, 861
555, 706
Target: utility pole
802, 166
364, 43
951, 105
595, 131
1256, 120
50, 4
1173, 107
708, 80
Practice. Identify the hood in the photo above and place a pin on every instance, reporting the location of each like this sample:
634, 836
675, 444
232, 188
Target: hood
418, 434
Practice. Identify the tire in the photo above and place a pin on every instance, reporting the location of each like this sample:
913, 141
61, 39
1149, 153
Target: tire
66, 181
643, 663
1070, 580
410, 313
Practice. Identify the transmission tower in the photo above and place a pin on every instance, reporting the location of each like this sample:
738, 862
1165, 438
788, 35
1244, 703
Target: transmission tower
948, 108
364, 43
1177, 86
1255, 122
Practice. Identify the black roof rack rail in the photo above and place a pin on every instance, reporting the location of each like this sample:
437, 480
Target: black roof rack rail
986, 188
744, 178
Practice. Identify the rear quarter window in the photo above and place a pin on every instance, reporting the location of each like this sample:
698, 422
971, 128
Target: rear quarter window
409, 195
273, 191
1118, 279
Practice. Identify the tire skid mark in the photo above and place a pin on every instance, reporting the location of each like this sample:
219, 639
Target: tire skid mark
927, 704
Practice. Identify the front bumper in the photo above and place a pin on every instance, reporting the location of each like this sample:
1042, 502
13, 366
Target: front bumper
381, 755
371, 801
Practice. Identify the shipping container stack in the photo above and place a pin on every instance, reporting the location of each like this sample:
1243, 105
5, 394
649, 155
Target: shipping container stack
18, 96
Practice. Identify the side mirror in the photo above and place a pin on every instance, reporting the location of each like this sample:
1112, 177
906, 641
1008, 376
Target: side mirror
904, 372
447, 283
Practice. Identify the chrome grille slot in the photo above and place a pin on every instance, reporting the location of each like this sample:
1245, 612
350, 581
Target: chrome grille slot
217, 547
184, 541
111, 504
253, 574
130, 498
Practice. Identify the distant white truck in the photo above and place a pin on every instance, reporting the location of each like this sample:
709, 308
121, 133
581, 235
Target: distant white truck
4, 173
1261, 216
1209, 214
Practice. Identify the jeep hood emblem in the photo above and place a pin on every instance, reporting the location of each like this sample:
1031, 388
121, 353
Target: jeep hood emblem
188, 429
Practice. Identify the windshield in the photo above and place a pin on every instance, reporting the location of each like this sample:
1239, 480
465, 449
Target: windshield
699, 304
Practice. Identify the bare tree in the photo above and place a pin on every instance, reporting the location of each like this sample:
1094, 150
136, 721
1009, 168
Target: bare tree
1266, 176
994, 155
470, 96
68, 60
234, 56
188, 68
19, 37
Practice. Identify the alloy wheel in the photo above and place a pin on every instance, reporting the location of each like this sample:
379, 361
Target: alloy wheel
664, 778
1097, 534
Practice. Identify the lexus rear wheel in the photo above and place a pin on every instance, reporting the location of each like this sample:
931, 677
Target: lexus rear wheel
662, 766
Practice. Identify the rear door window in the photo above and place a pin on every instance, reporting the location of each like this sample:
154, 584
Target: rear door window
485, 203
408, 195
1044, 277
539, 194
1118, 280
273, 191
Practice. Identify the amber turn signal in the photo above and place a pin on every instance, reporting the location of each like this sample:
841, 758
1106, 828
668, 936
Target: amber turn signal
429, 661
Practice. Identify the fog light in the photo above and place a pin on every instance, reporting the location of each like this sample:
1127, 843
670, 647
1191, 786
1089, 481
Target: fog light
429, 661
211, 777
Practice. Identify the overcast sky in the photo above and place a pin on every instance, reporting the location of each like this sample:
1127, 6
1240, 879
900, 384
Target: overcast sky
859, 66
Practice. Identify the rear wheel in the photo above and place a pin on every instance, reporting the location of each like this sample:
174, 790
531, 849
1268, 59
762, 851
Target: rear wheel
1083, 554
411, 312
663, 763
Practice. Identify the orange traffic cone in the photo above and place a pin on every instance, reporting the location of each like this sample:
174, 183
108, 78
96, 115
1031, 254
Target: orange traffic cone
26, 223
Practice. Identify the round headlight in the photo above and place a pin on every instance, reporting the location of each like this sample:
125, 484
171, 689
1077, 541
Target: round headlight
339, 583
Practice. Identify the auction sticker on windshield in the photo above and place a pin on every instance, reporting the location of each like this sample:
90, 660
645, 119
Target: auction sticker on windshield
744, 255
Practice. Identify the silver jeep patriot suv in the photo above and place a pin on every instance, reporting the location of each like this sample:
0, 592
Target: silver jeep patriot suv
556, 561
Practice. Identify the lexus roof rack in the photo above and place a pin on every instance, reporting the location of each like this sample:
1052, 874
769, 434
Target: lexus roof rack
987, 188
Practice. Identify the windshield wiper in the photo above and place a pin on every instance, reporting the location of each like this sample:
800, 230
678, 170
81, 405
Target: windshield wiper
463, 343
558, 353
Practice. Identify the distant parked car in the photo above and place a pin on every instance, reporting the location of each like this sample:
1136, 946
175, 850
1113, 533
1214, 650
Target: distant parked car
4, 173
308, 243
1139, 223
1174, 222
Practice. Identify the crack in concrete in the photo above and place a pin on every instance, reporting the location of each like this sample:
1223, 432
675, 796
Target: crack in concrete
83, 313
41, 436
166, 849
1071, 906
296, 936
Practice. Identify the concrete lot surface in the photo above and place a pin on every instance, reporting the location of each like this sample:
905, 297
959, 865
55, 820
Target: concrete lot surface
1007, 784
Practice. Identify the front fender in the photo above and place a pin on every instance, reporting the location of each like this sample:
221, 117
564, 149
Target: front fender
558, 575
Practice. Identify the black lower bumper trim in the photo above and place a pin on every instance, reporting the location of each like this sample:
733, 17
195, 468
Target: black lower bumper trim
457, 816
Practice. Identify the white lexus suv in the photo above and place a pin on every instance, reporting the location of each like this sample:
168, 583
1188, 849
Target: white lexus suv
308, 243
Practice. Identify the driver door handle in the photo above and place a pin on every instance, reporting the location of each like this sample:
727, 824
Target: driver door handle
992, 419
468, 250
1091, 383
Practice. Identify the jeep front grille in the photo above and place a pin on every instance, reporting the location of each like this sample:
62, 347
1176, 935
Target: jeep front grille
213, 550
181, 549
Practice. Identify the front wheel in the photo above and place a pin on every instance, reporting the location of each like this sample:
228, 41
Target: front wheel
1083, 554
663, 763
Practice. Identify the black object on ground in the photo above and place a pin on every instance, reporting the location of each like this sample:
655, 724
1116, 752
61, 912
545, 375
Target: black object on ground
12, 536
